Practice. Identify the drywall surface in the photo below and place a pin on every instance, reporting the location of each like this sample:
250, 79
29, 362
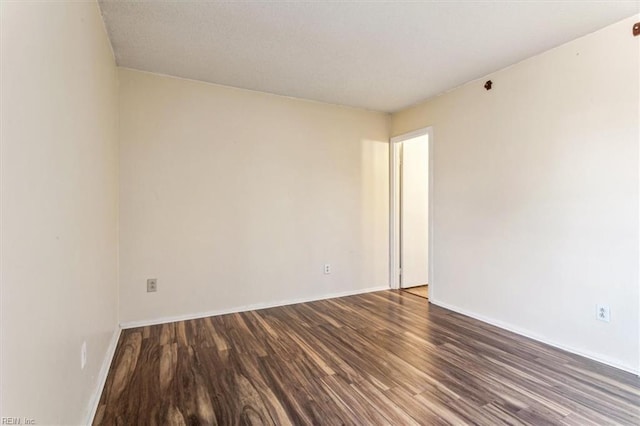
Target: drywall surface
59, 208
233, 198
380, 55
536, 195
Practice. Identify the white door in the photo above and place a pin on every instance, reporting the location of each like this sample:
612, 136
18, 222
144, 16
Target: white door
414, 212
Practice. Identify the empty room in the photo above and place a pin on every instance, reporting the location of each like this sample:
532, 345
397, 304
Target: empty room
319, 212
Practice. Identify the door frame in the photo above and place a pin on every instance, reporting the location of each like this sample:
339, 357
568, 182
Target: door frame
394, 206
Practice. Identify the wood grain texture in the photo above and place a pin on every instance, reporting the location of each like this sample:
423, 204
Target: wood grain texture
420, 291
379, 358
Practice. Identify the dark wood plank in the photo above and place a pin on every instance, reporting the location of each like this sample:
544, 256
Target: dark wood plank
379, 358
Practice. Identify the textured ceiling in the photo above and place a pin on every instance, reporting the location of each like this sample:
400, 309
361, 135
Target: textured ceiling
381, 56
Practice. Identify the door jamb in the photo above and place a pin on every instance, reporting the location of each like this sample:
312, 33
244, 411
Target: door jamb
394, 207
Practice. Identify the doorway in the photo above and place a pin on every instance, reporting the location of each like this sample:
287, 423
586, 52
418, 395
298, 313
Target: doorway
411, 181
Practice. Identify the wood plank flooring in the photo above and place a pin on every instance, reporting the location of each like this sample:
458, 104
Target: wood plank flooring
420, 291
373, 359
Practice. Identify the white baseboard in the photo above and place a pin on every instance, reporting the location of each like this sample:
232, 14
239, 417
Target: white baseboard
537, 337
102, 375
165, 320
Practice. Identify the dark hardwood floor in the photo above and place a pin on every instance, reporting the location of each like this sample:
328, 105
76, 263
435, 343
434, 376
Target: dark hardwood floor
378, 358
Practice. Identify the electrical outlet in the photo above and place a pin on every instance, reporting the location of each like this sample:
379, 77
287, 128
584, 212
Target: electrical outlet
152, 285
603, 313
83, 355
327, 268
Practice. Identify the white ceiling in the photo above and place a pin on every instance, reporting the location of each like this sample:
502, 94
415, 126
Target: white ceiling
381, 56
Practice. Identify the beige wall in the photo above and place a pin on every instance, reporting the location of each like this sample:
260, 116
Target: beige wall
233, 198
536, 195
59, 207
